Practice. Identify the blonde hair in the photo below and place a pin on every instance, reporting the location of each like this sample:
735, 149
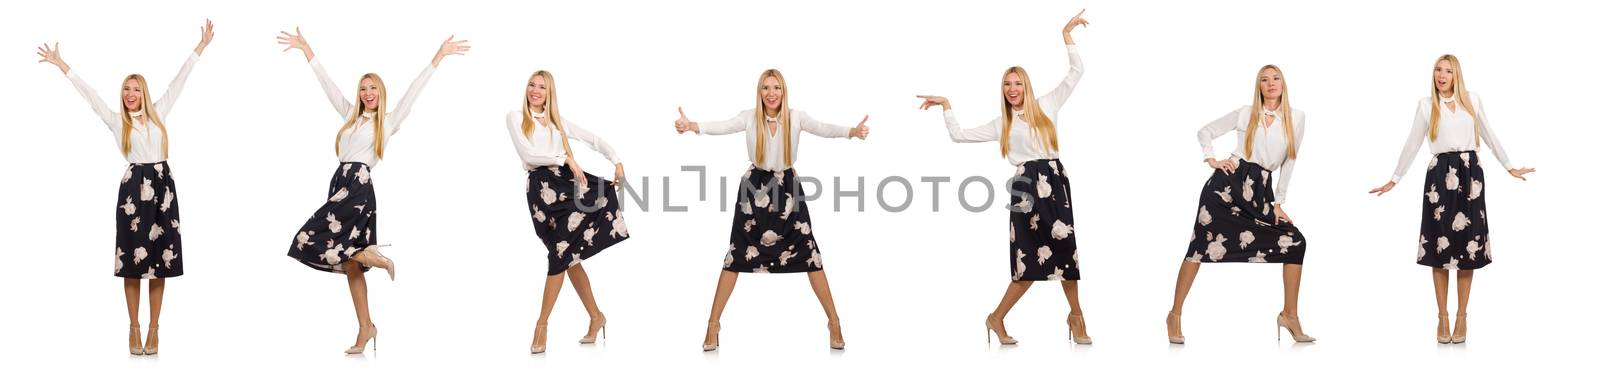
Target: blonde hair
1284, 112
1460, 88
783, 118
1041, 125
377, 118
552, 113
150, 114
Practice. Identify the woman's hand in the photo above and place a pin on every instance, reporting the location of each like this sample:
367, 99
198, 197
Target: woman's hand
684, 125
616, 180
861, 129
1076, 21
1279, 216
1383, 188
1519, 172
928, 101
52, 55
296, 41
577, 174
1226, 165
205, 38
450, 47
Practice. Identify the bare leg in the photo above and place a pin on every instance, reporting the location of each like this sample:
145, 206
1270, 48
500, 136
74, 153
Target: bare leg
1291, 298
158, 288
130, 290
552, 289
997, 319
1463, 292
358, 296
1186, 275
1441, 295
819, 284
1080, 330
580, 284
725, 284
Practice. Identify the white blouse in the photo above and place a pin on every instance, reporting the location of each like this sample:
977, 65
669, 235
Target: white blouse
1024, 146
1455, 133
356, 142
144, 141
1269, 149
545, 148
746, 122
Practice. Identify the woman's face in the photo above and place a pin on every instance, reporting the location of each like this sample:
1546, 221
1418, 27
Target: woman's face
538, 90
1444, 76
368, 94
1270, 82
1012, 88
771, 93
132, 95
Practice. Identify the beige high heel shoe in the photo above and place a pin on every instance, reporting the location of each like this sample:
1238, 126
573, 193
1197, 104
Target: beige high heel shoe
590, 337
540, 332
713, 330
835, 343
361, 345
1074, 324
1283, 322
153, 341
1444, 328
134, 346
374, 258
1178, 339
1460, 335
988, 327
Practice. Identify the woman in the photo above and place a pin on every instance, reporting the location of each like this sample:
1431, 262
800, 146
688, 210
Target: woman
771, 225
1043, 244
1241, 217
339, 237
1455, 223
148, 242
575, 214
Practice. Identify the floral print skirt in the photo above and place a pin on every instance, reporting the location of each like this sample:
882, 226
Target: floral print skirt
771, 226
344, 225
1455, 223
148, 243
574, 221
1235, 223
1044, 245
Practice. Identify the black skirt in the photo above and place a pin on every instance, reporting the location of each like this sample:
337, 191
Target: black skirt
1044, 245
1455, 224
148, 243
344, 225
771, 226
574, 222
1235, 223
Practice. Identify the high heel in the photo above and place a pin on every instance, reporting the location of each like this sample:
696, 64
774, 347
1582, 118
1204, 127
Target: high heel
988, 327
134, 346
833, 328
540, 332
1460, 335
361, 343
153, 341
374, 258
713, 330
590, 337
1074, 324
1178, 339
1283, 322
1444, 328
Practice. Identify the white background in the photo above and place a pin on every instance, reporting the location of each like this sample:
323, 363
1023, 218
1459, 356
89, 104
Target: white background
252, 149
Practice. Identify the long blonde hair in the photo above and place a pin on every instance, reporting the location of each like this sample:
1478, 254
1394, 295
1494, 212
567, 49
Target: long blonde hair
150, 114
377, 118
1284, 112
1460, 88
1041, 125
783, 118
552, 113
